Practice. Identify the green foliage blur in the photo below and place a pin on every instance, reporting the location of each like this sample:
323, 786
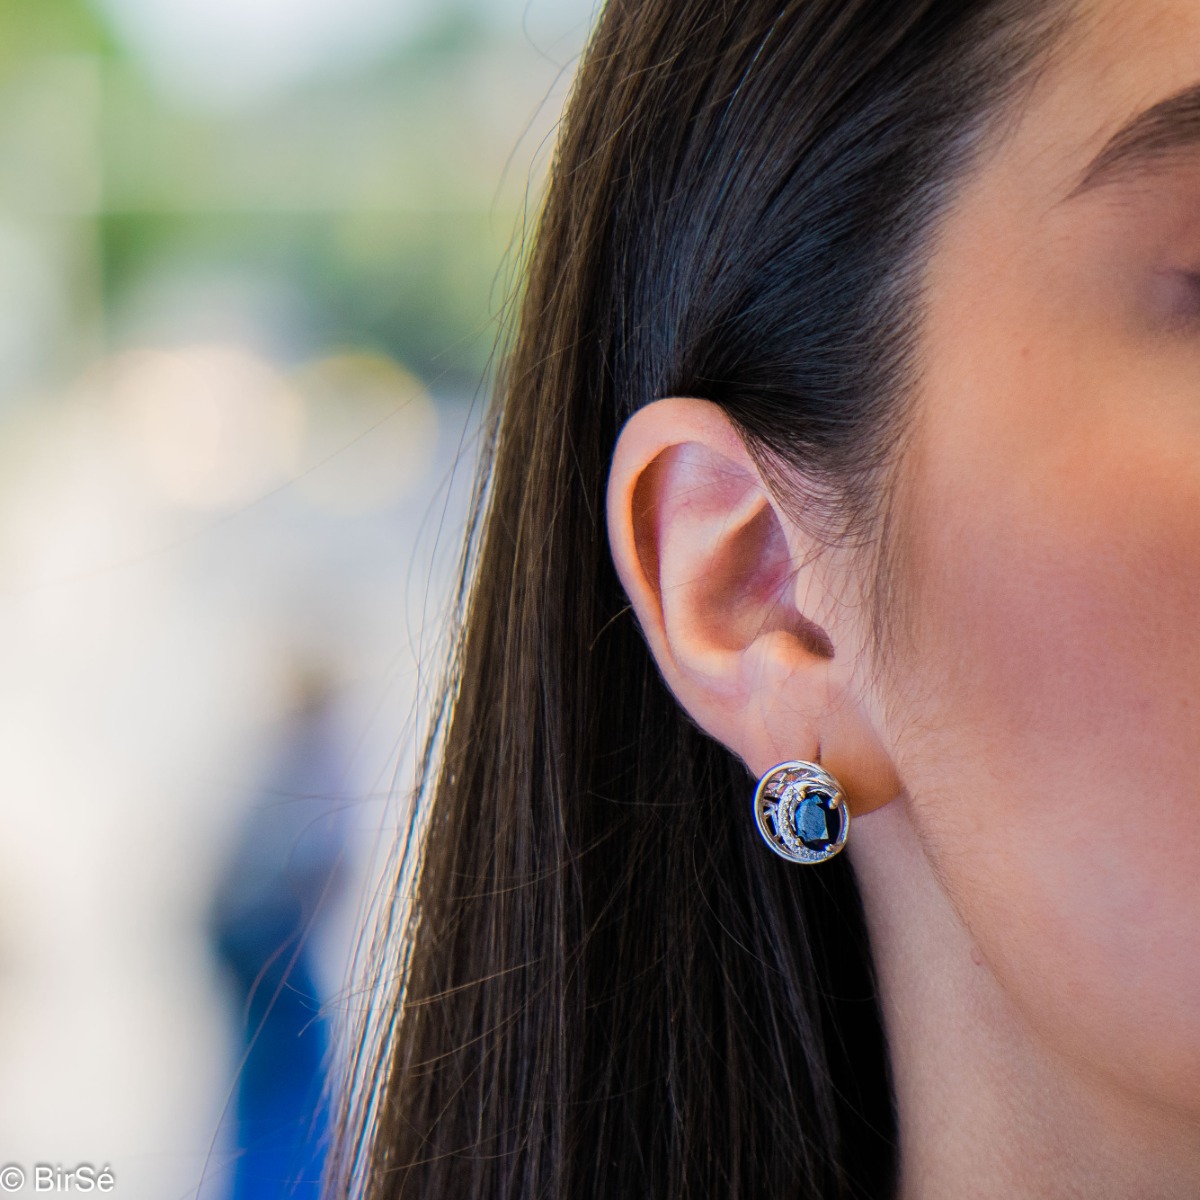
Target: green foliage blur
374, 205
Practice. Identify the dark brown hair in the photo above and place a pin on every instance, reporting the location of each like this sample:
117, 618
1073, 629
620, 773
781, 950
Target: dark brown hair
601, 982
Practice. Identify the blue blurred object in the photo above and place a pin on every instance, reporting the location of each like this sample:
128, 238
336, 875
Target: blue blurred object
283, 874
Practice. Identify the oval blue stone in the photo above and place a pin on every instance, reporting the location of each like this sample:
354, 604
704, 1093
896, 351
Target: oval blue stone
816, 824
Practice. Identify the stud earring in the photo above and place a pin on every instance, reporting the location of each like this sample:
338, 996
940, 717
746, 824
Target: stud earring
801, 812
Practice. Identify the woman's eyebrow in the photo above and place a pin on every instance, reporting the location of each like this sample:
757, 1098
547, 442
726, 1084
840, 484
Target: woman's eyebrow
1165, 131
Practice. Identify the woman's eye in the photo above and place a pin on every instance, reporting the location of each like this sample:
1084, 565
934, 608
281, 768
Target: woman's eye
1175, 299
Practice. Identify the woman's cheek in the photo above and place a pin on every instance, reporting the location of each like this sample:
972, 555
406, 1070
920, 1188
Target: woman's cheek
1053, 769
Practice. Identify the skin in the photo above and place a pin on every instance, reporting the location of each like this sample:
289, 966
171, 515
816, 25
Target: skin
1024, 784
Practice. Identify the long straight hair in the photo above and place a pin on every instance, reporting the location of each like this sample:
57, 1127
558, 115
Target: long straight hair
601, 983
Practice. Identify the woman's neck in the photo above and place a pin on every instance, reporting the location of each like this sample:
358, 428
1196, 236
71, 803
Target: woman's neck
985, 1108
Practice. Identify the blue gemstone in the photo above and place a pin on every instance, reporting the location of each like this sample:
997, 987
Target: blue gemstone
817, 825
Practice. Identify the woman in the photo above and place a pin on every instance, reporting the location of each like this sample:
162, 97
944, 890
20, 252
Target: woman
852, 419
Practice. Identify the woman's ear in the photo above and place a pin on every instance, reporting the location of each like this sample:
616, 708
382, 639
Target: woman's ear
737, 606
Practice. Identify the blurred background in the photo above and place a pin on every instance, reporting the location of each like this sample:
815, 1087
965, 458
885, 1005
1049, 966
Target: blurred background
251, 257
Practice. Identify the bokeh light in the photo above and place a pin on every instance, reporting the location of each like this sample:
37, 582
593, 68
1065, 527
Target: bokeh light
212, 426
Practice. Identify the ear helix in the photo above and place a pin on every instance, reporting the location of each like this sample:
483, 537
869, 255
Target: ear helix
801, 812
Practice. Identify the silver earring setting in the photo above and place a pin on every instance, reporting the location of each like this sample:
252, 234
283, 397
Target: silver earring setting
801, 812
